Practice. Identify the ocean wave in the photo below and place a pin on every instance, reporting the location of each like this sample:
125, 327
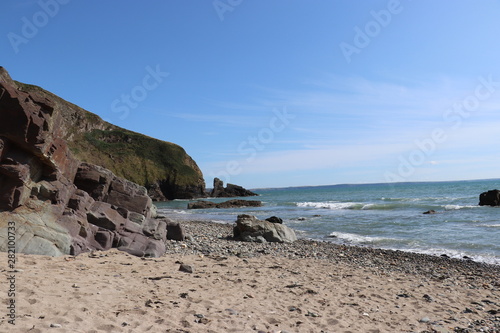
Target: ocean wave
456, 255
456, 207
357, 239
171, 211
331, 205
334, 205
490, 225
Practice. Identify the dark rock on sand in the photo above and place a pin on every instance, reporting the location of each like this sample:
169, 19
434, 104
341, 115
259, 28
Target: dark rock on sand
175, 231
490, 198
230, 190
250, 229
236, 203
186, 268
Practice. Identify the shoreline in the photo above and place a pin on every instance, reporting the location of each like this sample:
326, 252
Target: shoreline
305, 286
207, 232
225, 228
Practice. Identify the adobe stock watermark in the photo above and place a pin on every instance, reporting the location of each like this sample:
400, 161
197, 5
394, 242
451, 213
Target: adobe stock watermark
253, 144
453, 118
223, 6
31, 26
363, 36
11, 278
139, 93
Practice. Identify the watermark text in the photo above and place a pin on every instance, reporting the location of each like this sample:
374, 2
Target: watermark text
31, 26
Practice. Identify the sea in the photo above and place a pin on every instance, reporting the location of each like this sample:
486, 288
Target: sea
386, 216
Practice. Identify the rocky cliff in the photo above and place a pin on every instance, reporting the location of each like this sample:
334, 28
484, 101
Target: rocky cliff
164, 168
53, 203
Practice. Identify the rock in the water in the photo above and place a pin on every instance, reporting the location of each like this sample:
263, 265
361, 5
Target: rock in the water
275, 219
432, 211
490, 198
230, 190
249, 228
236, 203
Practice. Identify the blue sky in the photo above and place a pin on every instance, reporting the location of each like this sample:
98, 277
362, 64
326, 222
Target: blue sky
280, 92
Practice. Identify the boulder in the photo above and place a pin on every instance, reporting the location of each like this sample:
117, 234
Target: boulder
230, 190
249, 228
235, 203
175, 231
490, 198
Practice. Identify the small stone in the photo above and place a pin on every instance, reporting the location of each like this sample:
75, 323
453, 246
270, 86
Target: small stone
232, 312
75, 285
199, 315
186, 268
312, 314
425, 320
55, 325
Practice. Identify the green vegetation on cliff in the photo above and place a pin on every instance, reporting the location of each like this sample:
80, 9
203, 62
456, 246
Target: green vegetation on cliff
136, 157
139, 158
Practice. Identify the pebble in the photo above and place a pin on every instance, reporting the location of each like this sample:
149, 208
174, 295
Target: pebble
425, 320
186, 268
232, 312
55, 325
312, 314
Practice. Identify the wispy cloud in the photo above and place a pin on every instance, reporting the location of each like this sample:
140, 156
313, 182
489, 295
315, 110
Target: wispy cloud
345, 122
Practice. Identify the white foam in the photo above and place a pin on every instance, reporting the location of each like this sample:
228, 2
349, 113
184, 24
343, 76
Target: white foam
328, 205
456, 207
456, 254
355, 238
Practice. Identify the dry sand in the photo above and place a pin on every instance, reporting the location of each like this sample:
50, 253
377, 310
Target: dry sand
350, 290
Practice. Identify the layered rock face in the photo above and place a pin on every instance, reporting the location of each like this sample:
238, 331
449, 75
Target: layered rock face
231, 190
58, 204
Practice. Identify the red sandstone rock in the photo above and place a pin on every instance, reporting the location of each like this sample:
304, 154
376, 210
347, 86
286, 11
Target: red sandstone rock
60, 205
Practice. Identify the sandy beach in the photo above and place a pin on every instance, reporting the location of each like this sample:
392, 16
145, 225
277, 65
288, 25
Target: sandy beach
306, 286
